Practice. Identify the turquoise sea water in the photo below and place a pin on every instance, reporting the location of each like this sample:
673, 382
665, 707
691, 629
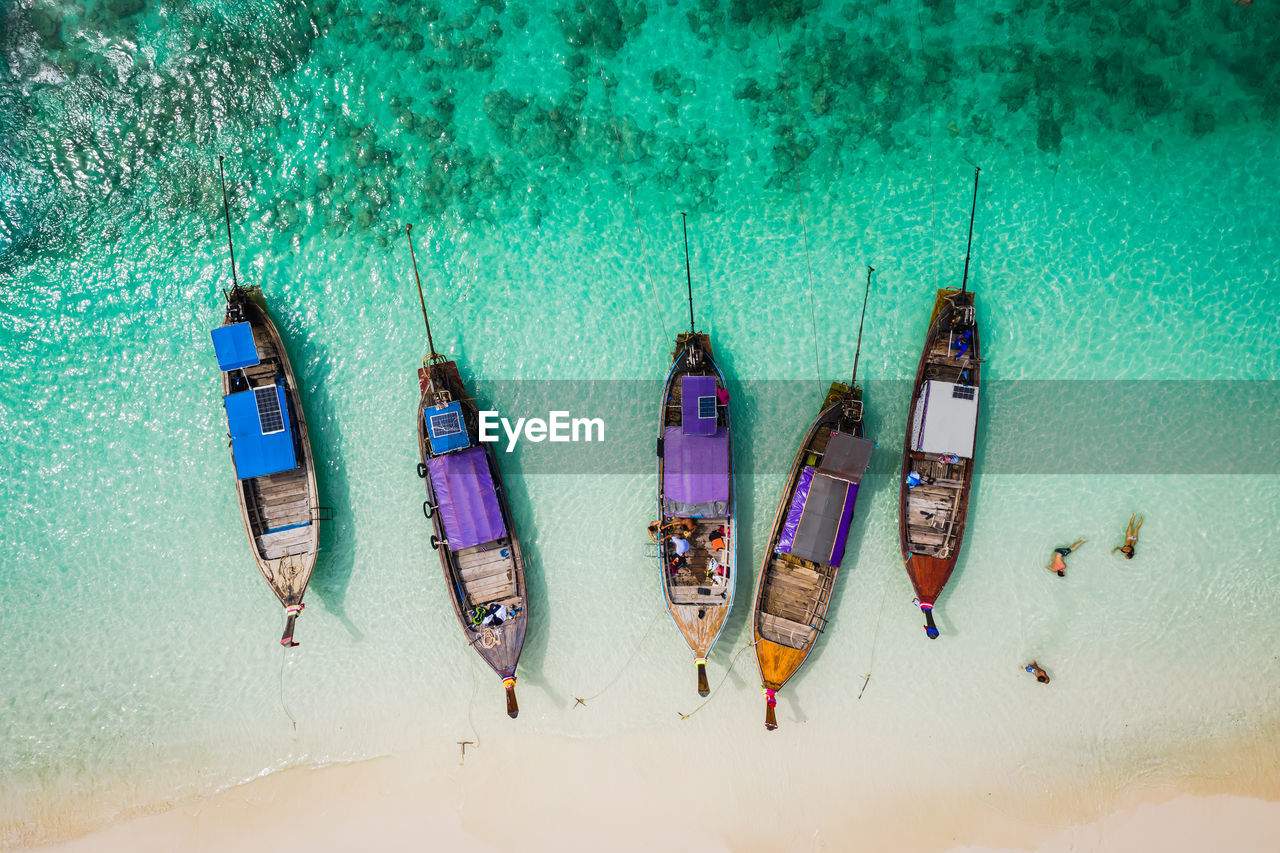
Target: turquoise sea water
1126, 230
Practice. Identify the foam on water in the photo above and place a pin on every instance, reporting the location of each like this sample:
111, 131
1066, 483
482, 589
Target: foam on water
1126, 230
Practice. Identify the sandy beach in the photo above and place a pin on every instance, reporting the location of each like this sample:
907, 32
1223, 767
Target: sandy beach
631, 794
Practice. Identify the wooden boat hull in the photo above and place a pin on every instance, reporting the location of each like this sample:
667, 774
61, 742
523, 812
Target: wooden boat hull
793, 595
930, 551
475, 576
288, 499
698, 604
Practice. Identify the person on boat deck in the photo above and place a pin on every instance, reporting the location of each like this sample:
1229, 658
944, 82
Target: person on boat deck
1040, 674
680, 544
961, 344
688, 525
1058, 563
1130, 538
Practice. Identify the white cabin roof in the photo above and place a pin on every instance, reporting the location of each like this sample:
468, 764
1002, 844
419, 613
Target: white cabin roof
946, 419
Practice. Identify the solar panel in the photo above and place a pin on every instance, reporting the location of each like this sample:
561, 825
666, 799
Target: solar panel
448, 423
269, 416
706, 408
962, 392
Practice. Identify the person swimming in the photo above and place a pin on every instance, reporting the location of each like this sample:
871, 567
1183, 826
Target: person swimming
1040, 674
1058, 563
1130, 537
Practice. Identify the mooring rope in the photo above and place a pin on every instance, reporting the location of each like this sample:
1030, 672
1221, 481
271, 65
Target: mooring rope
875, 636
471, 704
284, 657
622, 163
804, 227
618, 673
723, 679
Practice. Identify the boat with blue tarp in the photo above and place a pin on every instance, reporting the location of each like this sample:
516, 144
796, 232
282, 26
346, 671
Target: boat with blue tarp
696, 531
467, 505
809, 536
270, 448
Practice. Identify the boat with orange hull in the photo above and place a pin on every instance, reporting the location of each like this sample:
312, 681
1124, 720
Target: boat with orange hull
938, 454
808, 539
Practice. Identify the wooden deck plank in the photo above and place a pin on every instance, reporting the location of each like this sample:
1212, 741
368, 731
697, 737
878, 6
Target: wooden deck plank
490, 594
718, 596
479, 559
278, 490
785, 632
493, 570
488, 585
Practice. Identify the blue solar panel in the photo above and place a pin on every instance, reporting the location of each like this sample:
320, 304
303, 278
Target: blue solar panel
446, 428
446, 424
270, 417
706, 408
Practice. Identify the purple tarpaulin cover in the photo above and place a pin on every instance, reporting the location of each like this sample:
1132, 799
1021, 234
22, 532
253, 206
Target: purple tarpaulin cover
466, 498
842, 532
795, 511
692, 390
695, 468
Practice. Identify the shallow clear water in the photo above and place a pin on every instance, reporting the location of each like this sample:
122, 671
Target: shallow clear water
1126, 230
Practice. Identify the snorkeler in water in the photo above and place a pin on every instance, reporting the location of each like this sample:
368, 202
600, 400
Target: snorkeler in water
1040, 674
1130, 537
1058, 563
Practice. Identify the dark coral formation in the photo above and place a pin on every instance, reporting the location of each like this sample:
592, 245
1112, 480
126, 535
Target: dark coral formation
489, 110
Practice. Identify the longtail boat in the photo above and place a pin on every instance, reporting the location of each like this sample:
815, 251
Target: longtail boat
270, 449
937, 458
809, 535
695, 530
474, 536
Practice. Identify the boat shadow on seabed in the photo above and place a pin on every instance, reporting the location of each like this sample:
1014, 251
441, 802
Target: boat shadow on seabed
337, 560
541, 604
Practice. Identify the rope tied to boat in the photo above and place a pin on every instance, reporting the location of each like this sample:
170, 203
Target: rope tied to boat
488, 638
283, 704
733, 663
625, 666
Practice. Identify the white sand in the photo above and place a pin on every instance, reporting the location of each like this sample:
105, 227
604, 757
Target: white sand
627, 794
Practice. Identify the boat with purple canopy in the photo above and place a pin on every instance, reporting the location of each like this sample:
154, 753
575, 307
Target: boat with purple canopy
270, 448
809, 536
467, 506
695, 530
